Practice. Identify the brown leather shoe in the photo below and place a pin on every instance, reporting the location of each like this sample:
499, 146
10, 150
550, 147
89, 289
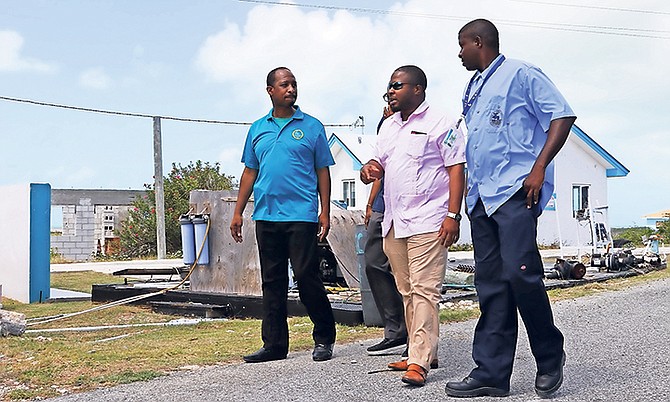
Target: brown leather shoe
402, 365
415, 375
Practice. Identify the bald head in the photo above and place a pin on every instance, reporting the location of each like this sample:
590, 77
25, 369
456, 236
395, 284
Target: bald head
485, 30
270, 81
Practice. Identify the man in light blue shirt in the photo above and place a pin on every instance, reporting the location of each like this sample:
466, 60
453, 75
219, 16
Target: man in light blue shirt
517, 121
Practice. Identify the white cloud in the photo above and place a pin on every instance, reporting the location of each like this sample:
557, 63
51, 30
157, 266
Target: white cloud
241, 56
342, 61
95, 78
229, 158
11, 58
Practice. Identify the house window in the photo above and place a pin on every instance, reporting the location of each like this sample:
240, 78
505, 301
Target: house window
580, 201
349, 192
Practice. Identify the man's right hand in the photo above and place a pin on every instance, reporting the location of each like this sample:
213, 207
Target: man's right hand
371, 171
236, 228
368, 214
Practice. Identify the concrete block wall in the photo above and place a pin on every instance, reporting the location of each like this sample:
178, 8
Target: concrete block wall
77, 243
68, 220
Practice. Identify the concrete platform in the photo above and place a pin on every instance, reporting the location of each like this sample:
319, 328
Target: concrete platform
109, 267
62, 295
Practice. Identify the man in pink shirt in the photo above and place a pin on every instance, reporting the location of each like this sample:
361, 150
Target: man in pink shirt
420, 154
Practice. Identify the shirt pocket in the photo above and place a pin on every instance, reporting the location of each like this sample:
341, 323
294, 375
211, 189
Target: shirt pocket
416, 145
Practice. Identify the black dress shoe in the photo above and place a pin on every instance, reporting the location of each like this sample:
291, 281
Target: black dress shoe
264, 355
471, 387
547, 384
322, 352
387, 347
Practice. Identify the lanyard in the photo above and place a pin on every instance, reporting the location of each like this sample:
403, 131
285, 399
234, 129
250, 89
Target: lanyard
467, 100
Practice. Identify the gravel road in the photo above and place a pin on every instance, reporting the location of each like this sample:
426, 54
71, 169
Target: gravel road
616, 344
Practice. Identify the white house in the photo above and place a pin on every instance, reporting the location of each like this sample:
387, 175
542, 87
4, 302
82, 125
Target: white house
576, 215
653, 220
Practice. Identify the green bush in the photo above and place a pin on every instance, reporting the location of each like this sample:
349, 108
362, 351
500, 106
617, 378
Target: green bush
636, 235
138, 231
664, 231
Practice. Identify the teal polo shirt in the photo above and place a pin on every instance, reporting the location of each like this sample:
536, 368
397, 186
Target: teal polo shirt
286, 159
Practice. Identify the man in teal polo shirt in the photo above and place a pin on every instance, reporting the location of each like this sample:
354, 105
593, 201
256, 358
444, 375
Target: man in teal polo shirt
286, 159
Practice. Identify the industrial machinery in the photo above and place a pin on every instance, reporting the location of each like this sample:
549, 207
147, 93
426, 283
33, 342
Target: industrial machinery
564, 269
620, 256
613, 255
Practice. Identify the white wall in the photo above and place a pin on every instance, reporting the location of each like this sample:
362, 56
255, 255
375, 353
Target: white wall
24, 242
344, 170
15, 242
576, 165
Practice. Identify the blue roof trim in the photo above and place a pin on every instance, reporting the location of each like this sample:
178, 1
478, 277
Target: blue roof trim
618, 169
334, 139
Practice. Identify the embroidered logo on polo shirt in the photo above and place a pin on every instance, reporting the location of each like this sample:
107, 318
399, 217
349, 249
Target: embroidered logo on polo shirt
297, 134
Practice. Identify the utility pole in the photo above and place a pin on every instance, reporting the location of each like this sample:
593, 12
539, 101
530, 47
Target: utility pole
158, 189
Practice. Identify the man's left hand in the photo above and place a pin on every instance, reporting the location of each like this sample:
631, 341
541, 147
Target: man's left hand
449, 231
532, 186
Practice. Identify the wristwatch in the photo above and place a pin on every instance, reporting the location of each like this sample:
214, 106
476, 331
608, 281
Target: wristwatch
455, 216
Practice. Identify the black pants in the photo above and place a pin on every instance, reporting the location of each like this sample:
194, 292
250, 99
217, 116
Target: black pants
508, 277
382, 283
277, 243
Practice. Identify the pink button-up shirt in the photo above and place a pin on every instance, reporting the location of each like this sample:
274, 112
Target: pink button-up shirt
415, 154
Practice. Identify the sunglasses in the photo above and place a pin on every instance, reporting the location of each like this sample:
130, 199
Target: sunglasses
396, 85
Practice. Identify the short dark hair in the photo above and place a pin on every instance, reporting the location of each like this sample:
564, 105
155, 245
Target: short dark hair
271, 75
417, 74
485, 30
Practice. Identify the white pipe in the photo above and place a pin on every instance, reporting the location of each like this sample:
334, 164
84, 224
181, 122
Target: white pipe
181, 321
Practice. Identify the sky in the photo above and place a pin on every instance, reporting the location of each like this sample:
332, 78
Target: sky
208, 60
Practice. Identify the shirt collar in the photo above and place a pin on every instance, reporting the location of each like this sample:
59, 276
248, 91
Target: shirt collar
487, 71
298, 114
397, 117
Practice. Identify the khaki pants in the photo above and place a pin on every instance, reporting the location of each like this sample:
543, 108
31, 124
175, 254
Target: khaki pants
418, 265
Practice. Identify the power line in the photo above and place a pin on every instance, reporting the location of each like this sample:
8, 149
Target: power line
604, 30
86, 109
91, 110
629, 10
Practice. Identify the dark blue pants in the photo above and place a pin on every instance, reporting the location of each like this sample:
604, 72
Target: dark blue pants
279, 242
509, 278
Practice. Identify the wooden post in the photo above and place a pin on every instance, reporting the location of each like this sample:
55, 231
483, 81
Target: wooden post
158, 188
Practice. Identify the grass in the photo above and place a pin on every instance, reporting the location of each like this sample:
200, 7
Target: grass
42, 365
57, 258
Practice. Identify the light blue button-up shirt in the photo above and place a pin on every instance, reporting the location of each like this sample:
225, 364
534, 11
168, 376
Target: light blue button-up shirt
507, 126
